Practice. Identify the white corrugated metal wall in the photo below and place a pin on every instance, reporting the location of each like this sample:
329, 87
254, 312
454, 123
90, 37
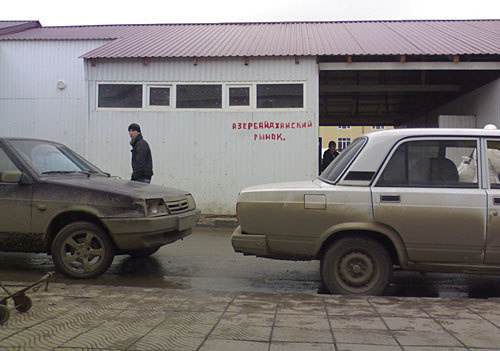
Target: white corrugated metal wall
457, 121
484, 103
31, 105
198, 150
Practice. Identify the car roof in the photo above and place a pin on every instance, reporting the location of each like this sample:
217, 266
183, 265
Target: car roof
393, 135
408, 132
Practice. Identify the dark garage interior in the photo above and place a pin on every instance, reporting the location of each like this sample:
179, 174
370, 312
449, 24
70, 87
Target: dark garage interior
393, 97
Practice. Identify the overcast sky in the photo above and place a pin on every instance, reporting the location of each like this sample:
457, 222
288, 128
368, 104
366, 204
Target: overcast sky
85, 12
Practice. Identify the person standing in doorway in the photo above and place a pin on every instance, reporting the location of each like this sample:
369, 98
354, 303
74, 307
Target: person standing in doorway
329, 155
142, 162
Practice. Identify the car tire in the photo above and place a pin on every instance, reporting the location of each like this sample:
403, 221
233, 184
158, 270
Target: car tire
140, 253
4, 314
25, 304
82, 250
356, 266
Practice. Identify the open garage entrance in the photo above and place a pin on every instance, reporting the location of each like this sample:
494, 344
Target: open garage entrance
374, 94
399, 98
371, 93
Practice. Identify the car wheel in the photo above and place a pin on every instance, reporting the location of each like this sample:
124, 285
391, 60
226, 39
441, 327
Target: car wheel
24, 304
82, 250
143, 252
4, 314
356, 266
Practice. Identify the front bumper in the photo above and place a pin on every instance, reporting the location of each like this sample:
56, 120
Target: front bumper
139, 233
249, 244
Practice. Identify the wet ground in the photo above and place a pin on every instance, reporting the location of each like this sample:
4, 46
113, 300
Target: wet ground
206, 261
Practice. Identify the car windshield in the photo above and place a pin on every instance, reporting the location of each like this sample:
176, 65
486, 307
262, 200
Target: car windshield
51, 158
342, 161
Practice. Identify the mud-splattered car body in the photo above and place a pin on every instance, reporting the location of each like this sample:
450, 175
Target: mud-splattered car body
38, 199
418, 199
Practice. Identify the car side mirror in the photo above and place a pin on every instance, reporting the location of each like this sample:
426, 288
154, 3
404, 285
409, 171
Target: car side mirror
12, 177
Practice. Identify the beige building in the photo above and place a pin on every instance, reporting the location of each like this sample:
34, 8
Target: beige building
344, 135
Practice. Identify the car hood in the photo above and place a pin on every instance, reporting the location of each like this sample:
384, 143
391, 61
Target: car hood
118, 186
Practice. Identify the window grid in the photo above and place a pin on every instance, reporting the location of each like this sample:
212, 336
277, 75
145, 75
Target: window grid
159, 96
280, 95
199, 96
239, 96
343, 143
120, 95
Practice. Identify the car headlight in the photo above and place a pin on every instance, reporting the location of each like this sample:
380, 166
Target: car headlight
139, 208
156, 207
191, 203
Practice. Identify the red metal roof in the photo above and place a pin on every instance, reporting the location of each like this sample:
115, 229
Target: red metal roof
77, 32
283, 38
7, 27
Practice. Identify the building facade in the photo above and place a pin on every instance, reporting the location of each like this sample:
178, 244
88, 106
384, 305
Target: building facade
225, 106
203, 138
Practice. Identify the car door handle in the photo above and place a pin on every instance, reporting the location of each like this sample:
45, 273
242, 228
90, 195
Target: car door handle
390, 198
496, 200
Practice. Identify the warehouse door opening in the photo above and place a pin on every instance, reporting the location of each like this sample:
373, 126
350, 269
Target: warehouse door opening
354, 102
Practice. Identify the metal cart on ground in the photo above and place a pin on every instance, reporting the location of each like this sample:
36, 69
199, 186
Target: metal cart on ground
22, 302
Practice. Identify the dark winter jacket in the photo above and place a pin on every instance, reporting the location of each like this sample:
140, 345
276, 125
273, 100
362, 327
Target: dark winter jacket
328, 157
142, 162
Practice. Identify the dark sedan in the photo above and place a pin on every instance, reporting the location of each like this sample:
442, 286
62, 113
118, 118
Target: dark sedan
54, 201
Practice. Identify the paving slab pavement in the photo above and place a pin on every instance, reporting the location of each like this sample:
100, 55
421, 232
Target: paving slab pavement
85, 317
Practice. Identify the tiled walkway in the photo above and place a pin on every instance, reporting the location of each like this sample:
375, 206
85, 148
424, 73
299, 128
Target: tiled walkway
73, 317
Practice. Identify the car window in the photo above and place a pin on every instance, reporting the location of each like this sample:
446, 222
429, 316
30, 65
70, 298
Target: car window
493, 155
46, 157
5, 162
432, 163
342, 161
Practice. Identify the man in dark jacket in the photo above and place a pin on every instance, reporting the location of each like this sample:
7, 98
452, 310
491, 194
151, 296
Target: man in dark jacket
329, 155
142, 162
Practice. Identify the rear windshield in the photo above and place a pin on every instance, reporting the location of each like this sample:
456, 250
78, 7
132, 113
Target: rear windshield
333, 172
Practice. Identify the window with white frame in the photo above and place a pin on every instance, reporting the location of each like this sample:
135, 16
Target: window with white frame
377, 127
238, 96
343, 143
280, 95
159, 96
199, 96
344, 127
119, 95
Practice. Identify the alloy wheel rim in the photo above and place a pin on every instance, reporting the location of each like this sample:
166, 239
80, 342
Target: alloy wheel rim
82, 252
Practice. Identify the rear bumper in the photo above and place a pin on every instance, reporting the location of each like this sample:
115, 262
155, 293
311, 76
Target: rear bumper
249, 244
139, 233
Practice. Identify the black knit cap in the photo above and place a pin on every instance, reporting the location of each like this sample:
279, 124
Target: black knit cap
134, 126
